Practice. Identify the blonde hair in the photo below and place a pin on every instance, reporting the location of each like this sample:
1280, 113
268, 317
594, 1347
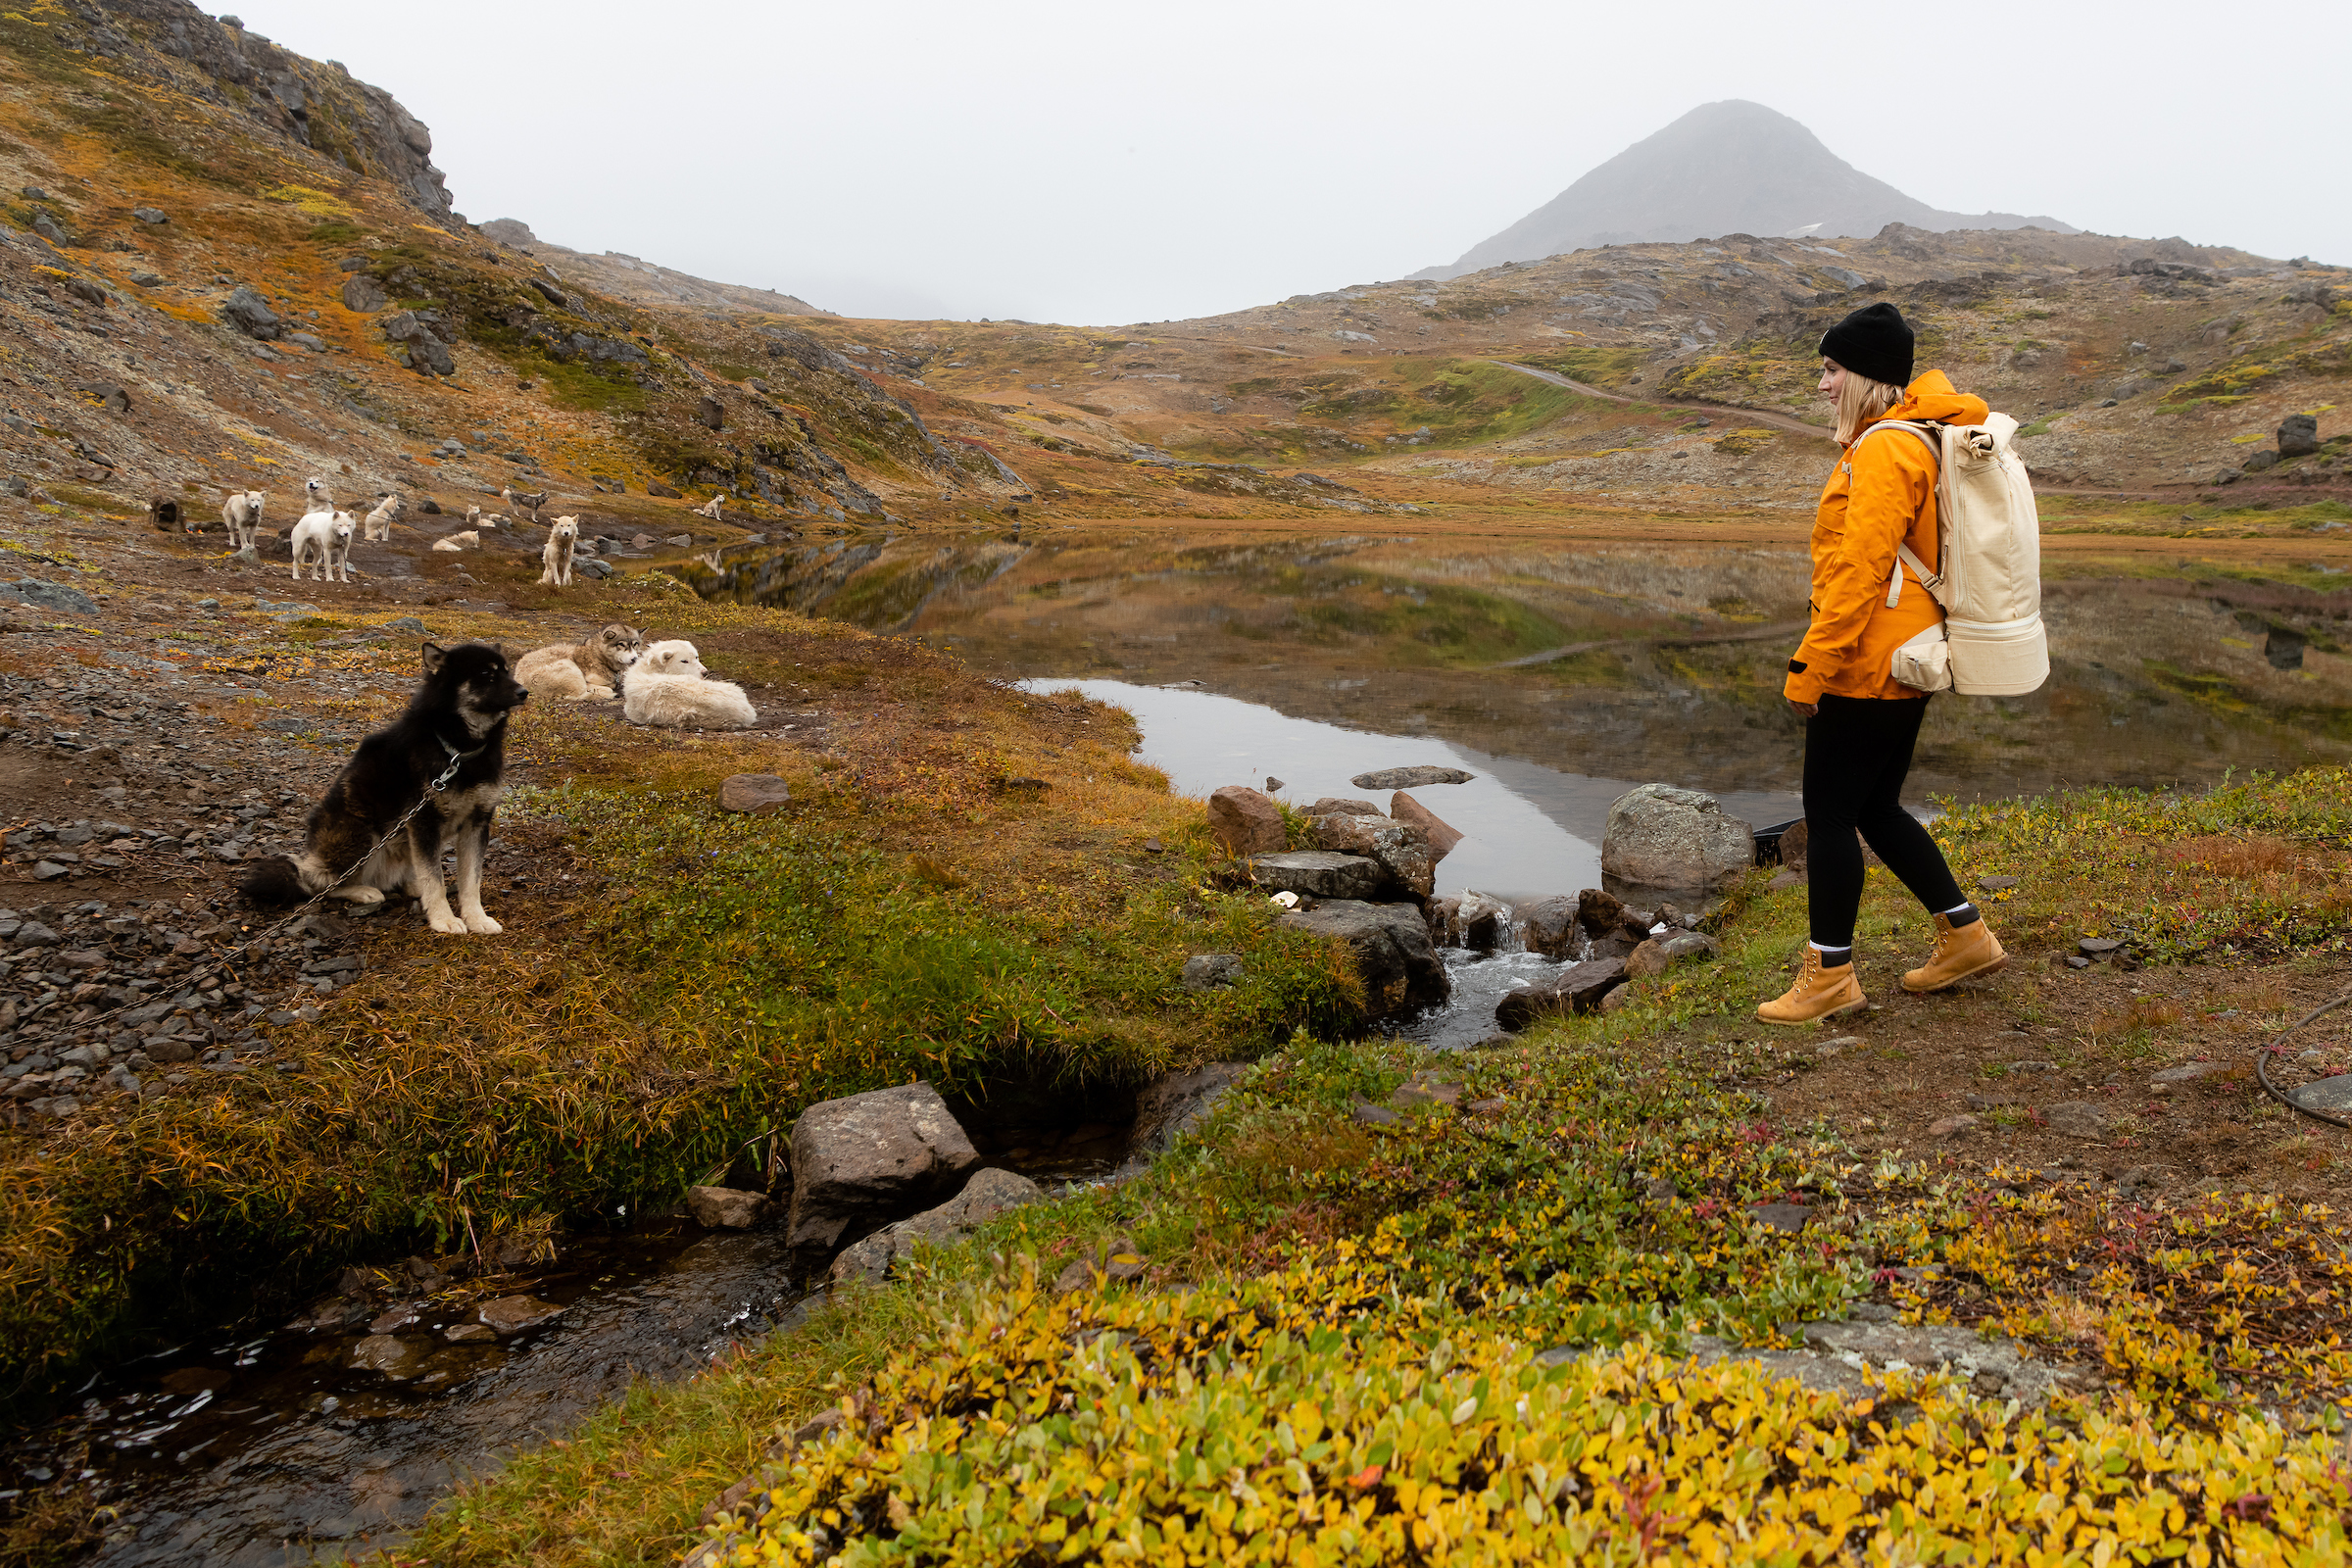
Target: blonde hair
1861, 402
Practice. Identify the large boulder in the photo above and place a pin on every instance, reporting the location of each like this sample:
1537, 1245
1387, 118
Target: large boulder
2298, 435
989, 1194
1247, 822
1391, 949
863, 1161
1663, 837
1318, 874
365, 295
1442, 838
1402, 848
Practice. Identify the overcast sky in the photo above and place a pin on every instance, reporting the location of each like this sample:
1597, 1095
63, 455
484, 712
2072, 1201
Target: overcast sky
1108, 165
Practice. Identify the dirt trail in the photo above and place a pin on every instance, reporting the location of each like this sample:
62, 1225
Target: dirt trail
1780, 422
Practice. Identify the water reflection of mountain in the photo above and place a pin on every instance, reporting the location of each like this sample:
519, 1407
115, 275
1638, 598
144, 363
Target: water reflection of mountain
2151, 685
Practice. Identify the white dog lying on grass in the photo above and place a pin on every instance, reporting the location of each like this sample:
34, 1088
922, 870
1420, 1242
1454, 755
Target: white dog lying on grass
666, 689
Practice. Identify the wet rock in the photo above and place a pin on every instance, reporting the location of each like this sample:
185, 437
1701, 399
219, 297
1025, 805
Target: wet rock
2076, 1118
756, 793
468, 1332
1663, 837
727, 1208
1550, 926
1410, 778
1657, 955
1342, 805
1175, 1102
1478, 921
989, 1194
1442, 838
511, 1314
867, 1160
1390, 943
1599, 914
1318, 873
1245, 822
1210, 971
395, 1357
1400, 849
1580, 987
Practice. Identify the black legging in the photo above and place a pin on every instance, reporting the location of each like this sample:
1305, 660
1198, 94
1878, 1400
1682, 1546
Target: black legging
1857, 750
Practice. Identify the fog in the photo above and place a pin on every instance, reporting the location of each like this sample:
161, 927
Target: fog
1116, 165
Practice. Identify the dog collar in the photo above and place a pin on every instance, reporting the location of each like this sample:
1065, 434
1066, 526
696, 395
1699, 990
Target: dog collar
457, 755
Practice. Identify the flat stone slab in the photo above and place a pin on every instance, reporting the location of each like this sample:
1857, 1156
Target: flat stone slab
1318, 874
1410, 778
2329, 1094
2076, 1118
753, 792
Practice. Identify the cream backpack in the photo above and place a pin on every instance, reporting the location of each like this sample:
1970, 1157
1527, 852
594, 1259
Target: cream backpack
1989, 542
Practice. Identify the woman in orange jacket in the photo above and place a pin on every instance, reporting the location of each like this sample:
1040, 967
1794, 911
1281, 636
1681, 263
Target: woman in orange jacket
1860, 722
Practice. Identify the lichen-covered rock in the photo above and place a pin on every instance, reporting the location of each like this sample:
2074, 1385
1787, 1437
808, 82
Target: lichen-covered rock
1400, 849
1663, 837
1318, 874
864, 1160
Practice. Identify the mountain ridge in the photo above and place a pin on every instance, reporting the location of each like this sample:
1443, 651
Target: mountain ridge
1730, 167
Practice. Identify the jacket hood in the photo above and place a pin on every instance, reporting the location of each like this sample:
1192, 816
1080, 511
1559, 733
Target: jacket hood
1932, 399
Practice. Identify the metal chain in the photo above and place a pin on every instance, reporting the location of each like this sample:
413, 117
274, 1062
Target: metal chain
219, 965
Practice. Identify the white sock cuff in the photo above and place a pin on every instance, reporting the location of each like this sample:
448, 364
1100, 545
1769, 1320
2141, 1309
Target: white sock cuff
1817, 947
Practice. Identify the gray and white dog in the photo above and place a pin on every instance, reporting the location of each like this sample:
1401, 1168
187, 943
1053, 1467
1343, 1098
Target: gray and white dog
454, 723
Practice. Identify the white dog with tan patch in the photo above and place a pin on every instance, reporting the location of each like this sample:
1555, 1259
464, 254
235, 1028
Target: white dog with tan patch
666, 689
577, 671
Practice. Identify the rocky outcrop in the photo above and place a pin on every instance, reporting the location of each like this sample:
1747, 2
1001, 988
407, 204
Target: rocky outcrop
862, 1161
309, 103
989, 1194
1246, 822
1662, 837
1394, 956
1318, 874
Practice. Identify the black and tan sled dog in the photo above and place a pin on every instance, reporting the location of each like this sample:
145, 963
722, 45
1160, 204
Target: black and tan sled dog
456, 720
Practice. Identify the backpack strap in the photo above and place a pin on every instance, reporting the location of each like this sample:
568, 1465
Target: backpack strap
1929, 580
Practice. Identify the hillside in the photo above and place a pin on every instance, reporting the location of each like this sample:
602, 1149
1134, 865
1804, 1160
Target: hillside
1723, 168
642, 282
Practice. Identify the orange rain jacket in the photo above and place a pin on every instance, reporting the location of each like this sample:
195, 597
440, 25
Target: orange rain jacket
1882, 493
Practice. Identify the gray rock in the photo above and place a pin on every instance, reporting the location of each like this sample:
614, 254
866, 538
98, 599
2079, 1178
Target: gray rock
1657, 955
1789, 1217
2098, 947
2298, 435
55, 597
1390, 943
1476, 920
756, 793
1663, 837
867, 1160
250, 314
1318, 873
1211, 972
309, 340
1400, 850
1175, 1102
50, 870
151, 215
1410, 778
2190, 1071
1580, 987
2076, 1118
590, 567
727, 1208
363, 295
1371, 1115
989, 1194
2329, 1094
1342, 805
2260, 462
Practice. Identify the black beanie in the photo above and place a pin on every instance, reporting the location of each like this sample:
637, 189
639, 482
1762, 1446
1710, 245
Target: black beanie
1875, 341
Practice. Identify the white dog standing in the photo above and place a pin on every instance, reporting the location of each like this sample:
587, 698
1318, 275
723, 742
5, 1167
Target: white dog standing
561, 540
666, 689
243, 515
330, 534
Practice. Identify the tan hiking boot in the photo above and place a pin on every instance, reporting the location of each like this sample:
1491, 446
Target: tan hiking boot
1961, 953
1818, 993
